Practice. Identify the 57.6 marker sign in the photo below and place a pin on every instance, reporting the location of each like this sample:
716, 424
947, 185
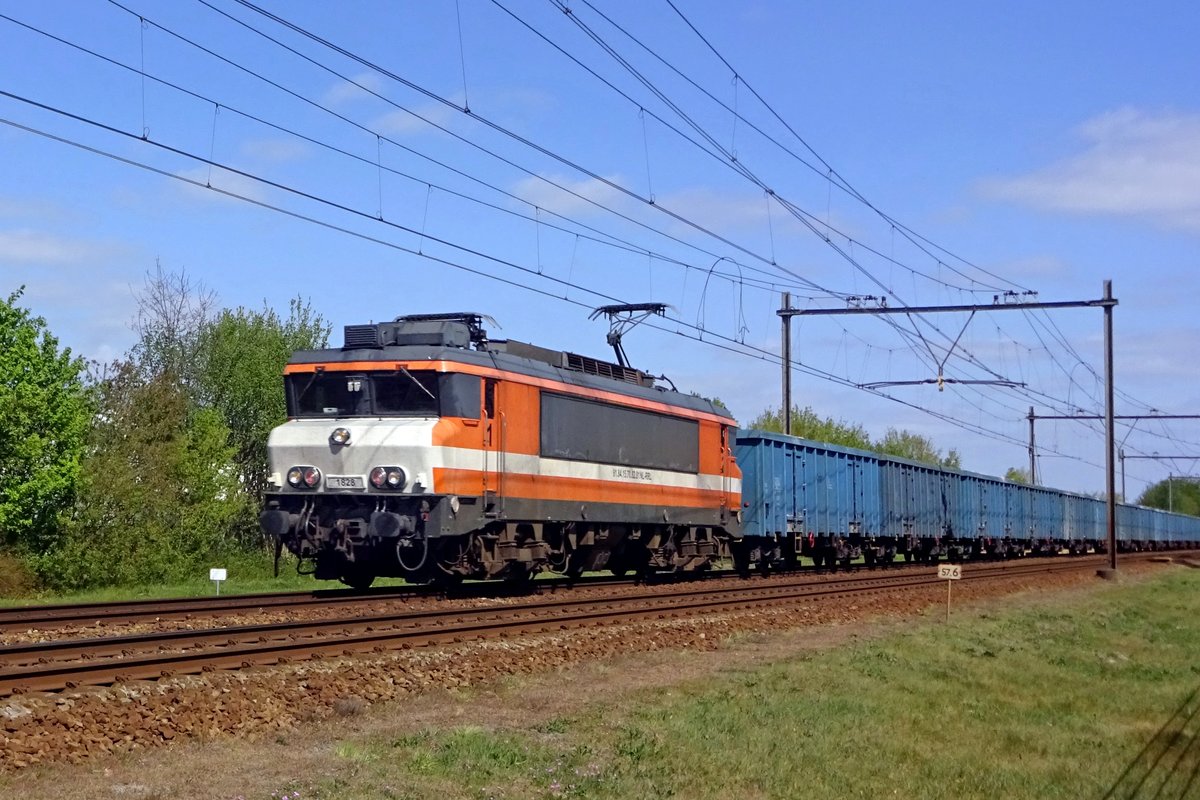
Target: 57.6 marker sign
948, 573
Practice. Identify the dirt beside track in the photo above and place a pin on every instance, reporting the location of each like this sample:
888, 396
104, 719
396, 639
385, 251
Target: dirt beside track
80, 725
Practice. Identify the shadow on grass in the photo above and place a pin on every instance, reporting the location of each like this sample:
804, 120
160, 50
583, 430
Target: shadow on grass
1168, 767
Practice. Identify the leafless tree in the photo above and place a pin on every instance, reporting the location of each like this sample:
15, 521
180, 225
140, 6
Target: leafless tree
172, 311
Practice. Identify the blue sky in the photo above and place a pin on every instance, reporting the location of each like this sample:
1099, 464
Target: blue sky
998, 146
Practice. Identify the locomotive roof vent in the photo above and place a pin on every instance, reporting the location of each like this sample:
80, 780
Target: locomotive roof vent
606, 369
571, 361
357, 337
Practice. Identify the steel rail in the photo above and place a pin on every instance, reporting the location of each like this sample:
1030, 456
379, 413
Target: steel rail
48, 617
43, 617
262, 645
123, 645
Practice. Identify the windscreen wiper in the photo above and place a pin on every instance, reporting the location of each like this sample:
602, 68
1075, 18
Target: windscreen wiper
420, 385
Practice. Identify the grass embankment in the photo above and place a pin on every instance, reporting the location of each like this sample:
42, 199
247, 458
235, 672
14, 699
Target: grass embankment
253, 583
251, 577
1095, 697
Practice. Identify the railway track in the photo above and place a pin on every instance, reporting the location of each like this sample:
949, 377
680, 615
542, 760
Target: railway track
49, 617
65, 664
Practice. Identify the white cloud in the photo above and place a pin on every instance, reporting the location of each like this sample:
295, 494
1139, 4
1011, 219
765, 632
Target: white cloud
742, 211
275, 150
402, 122
221, 179
1153, 359
88, 304
708, 208
573, 198
1033, 268
1131, 164
359, 87
724, 210
27, 247
34, 208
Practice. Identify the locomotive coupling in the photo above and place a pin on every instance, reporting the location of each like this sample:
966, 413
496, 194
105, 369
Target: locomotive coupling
276, 523
387, 525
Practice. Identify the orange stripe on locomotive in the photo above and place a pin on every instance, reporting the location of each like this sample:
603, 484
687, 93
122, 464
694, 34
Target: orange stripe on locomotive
515, 429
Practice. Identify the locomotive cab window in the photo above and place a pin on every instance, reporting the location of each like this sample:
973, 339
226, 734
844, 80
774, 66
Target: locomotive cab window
405, 393
394, 393
459, 395
327, 394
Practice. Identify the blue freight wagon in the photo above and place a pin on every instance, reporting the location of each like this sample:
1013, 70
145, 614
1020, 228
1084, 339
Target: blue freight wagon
833, 504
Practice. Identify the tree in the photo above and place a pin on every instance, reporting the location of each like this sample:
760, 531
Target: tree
158, 496
716, 401
175, 461
1017, 475
808, 424
1181, 495
43, 421
172, 312
913, 446
240, 361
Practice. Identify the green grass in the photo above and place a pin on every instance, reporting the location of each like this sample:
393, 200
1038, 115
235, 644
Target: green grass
244, 580
1050, 702
252, 576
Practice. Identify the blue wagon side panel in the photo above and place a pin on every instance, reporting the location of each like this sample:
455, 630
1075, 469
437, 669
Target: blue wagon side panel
814, 487
763, 485
800, 486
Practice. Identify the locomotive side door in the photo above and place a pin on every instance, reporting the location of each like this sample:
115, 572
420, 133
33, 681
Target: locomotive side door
491, 450
726, 453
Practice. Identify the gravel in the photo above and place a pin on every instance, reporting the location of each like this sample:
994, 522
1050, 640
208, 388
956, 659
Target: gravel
83, 724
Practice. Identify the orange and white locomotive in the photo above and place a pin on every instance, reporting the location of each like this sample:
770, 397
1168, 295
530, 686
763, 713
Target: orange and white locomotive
423, 449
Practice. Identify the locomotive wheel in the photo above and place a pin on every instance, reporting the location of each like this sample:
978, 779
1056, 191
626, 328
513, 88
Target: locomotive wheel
742, 558
447, 580
358, 578
574, 570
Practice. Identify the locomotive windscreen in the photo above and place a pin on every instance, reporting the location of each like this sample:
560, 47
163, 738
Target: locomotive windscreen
583, 430
345, 394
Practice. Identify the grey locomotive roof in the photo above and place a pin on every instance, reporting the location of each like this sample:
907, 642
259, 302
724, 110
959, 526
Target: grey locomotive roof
497, 359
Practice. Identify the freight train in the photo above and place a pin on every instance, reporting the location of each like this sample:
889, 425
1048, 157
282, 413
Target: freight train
426, 450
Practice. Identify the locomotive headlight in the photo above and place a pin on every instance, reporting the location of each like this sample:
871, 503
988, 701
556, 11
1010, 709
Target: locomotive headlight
388, 478
304, 477
395, 478
378, 477
312, 477
340, 436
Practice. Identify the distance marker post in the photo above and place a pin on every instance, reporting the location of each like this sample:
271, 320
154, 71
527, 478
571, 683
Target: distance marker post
949, 573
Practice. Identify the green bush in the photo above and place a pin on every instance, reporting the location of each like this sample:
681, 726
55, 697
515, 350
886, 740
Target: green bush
158, 496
